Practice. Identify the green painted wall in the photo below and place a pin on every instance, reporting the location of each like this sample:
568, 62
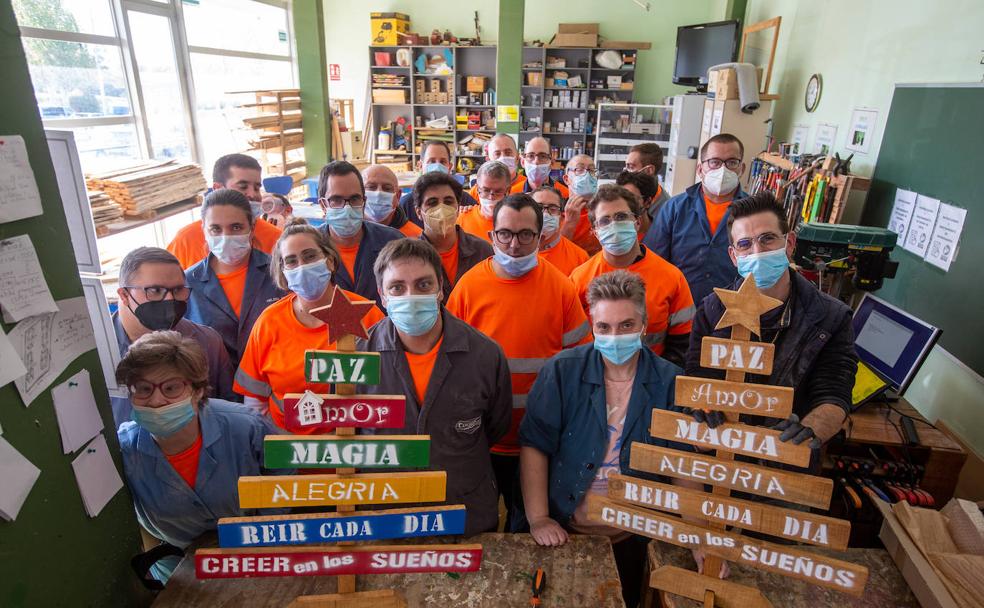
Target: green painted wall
312, 72
862, 49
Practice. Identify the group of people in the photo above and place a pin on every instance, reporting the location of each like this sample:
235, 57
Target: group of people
532, 322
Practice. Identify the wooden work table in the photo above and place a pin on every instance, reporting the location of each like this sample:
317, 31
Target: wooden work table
580, 573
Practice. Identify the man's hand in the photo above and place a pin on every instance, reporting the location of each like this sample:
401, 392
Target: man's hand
547, 532
572, 215
711, 418
699, 558
795, 431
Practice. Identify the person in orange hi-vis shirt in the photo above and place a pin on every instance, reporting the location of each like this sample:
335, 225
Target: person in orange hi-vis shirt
554, 246
529, 308
581, 177
304, 262
614, 214
502, 148
238, 172
492, 186
382, 200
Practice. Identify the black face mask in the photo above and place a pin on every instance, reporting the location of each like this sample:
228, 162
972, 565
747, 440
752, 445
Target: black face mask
160, 315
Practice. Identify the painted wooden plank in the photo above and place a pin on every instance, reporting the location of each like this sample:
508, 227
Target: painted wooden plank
734, 397
322, 561
323, 490
780, 559
305, 411
756, 441
754, 479
281, 530
379, 598
363, 452
786, 523
336, 367
737, 355
691, 585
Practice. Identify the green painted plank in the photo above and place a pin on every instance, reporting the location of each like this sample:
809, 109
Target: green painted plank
363, 452
332, 367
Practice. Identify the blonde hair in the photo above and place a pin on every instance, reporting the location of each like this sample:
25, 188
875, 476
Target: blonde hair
618, 285
295, 226
165, 348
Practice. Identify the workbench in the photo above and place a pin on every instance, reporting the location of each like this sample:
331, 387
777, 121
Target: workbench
885, 589
580, 573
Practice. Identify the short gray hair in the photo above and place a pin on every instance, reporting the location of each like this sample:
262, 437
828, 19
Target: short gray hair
145, 255
495, 170
618, 285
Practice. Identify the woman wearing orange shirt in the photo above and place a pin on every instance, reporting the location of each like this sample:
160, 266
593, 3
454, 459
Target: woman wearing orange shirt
304, 261
232, 285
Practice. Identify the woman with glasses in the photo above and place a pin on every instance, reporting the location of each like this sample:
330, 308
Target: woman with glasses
304, 262
232, 285
183, 453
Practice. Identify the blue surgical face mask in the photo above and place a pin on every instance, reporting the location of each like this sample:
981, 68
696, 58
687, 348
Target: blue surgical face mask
230, 249
257, 208
509, 161
413, 315
550, 224
346, 221
379, 204
436, 168
308, 281
584, 185
536, 174
618, 348
515, 267
768, 267
618, 238
164, 421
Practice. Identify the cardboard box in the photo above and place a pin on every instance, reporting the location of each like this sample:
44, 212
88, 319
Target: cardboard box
722, 84
476, 84
534, 79
386, 26
575, 34
389, 96
625, 44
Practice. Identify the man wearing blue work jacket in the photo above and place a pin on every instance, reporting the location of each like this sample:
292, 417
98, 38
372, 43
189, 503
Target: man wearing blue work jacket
342, 196
690, 230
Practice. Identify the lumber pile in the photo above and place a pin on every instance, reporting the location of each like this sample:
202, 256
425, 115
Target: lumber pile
105, 210
142, 189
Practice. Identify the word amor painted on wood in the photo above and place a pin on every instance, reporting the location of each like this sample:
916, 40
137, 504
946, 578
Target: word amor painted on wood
757, 441
323, 490
306, 411
333, 367
787, 523
737, 355
781, 559
274, 530
734, 397
743, 477
364, 452
321, 561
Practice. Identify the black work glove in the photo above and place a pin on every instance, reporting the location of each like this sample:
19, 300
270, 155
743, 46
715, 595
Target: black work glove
793, 430
711, 418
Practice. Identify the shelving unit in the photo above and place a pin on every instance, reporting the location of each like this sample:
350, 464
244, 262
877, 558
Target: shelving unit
277, 132
621, 126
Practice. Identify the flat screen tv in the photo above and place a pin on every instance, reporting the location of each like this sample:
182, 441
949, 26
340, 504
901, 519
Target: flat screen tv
701, 46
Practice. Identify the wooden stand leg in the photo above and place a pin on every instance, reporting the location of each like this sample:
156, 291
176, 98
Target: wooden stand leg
346, 344
383, 598
708, 599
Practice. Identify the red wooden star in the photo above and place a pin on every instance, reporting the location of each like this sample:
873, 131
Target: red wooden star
343, 316
745, 306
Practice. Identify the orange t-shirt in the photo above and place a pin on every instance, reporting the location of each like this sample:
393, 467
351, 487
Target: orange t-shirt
189, 244
449, 259
348, 258
517, 185
532, 318
715, 213
565, 255
185, 462
669, 305
233, 285
273, 361
421, 367
411, 230
473, 222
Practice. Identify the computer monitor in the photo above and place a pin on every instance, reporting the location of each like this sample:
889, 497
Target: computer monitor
891, 342
701, 46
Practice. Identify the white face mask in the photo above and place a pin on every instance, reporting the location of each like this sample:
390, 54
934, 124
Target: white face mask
487, 206
720, 181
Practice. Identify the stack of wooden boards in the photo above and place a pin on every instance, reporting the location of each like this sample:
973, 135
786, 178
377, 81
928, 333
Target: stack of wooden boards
277, 131
142, 189
105, 210
621, 508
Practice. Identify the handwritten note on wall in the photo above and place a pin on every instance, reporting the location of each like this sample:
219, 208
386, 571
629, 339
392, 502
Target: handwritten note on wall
19, 197
23, 291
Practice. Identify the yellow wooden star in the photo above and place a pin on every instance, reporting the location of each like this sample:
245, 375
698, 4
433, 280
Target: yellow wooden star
745, 306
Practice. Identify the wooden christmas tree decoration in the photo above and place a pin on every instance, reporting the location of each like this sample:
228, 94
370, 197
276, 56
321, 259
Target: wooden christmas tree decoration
281, 545
732, 396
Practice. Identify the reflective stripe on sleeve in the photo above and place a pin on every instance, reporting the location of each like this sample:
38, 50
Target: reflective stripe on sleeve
251, 384
575, 335
683, 315
519, 401
526, 366
654, 339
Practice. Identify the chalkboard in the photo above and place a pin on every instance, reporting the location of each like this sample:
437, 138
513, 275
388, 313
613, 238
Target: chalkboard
932, 146
53, 554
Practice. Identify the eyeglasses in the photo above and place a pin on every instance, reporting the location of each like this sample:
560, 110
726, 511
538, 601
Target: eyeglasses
551, 209
156, 293
542, 157
766, 240
583, 170
172, 388
631, 170
505, 237
488, 193
608, 220
337, 202
717, 163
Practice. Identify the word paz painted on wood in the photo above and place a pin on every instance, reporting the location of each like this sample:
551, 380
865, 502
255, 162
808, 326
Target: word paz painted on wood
322, 561
272, 530
737, 355
364, 452
333, 367
743, 477
323, 490
816, 569
306, 411
734, 397
731, 437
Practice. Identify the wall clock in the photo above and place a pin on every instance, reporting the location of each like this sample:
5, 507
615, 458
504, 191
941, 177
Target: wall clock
813, 89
